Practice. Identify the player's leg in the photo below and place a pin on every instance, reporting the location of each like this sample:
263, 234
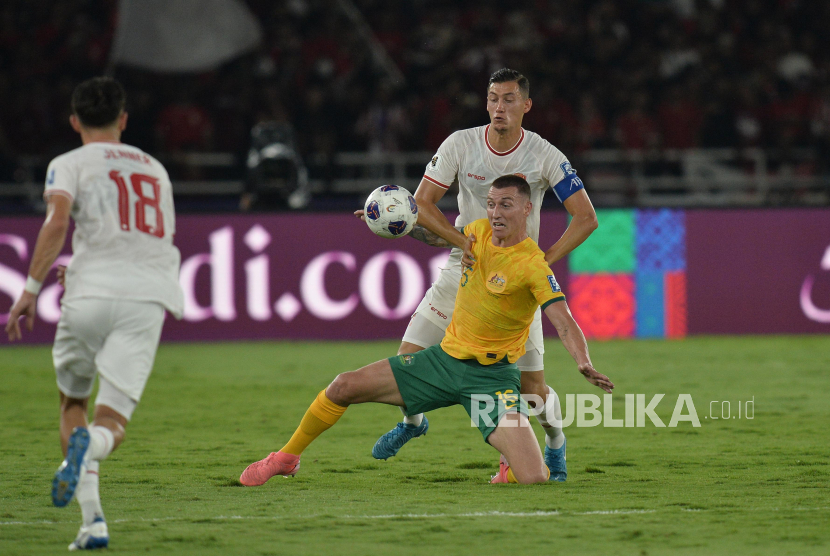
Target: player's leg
74, 413
545, 403
533, 385
106, 433
420, 334
80, 334
544, 399
515, 440
490, 394
124, 363
113, 410
372, 383
404, 349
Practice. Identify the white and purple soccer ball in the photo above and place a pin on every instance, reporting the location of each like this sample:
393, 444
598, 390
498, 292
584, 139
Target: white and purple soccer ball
391, 211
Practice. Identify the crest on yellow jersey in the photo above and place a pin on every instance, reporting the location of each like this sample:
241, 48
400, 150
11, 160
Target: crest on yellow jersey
496, 282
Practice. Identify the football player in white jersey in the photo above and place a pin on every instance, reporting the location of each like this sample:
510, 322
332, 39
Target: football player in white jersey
122, 276
475, 158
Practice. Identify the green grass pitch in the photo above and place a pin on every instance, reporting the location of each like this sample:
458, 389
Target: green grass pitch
736, 486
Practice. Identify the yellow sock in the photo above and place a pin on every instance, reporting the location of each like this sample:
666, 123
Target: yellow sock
511, 478
319, 417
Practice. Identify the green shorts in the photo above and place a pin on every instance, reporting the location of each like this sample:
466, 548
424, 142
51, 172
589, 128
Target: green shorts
430, 379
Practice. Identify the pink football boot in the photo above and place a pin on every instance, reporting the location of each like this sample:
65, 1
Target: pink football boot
501, 476
277, 463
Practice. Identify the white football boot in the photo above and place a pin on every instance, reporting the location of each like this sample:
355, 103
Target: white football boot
92, 536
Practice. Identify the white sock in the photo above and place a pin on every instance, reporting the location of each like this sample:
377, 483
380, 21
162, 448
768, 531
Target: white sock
101, 442
414, 420
87, 493
552, 423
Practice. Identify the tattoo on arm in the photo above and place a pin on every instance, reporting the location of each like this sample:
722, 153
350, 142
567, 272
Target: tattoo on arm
430, 238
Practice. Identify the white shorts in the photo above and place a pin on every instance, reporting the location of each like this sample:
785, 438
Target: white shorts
436, 310
114, 338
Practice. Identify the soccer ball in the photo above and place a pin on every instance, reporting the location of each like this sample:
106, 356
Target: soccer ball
391, 211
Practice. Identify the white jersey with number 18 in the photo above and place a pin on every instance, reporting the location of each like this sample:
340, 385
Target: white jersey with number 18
122, 205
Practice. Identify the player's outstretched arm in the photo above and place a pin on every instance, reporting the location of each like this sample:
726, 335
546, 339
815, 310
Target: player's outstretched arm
418, 232
583, 223
574, 341
49, 243
430, 216
431, 238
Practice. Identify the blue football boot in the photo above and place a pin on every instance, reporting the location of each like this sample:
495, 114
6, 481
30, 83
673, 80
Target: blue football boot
555, 460
69, 473
389, 444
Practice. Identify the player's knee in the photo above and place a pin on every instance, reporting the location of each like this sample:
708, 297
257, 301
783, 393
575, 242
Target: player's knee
340, 391
535, 392
542, 475
530, 477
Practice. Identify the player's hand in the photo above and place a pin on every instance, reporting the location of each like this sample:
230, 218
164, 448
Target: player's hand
62, 275
596, 378
468, 260
360, 214
25, 306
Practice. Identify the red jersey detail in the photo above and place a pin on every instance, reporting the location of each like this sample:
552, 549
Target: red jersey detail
438, 183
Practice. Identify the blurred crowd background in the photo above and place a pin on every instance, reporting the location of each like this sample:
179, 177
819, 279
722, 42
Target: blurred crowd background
626, 74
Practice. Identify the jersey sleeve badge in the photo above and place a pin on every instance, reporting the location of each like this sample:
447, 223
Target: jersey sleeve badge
436, 160
554, 285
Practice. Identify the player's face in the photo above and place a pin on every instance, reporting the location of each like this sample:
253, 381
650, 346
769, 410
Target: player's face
506, 106
507, 210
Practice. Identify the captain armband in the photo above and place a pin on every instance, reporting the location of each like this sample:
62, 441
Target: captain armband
568, 186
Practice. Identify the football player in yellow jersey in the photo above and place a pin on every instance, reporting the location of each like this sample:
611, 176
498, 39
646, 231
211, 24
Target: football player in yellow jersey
475, 364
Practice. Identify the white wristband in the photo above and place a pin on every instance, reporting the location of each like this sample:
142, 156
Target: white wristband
33, 286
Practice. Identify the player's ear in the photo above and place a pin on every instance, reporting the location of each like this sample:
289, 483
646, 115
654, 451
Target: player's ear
122, 121
75, 123
528, 104
528, 208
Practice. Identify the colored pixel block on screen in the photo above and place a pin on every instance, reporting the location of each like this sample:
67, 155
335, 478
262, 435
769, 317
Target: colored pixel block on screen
629, 277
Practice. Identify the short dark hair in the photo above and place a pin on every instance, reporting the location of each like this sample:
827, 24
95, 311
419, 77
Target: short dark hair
506, 75
513, 180
98, 101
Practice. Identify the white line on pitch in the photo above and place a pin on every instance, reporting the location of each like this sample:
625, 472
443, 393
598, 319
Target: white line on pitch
316, 516
397, 516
